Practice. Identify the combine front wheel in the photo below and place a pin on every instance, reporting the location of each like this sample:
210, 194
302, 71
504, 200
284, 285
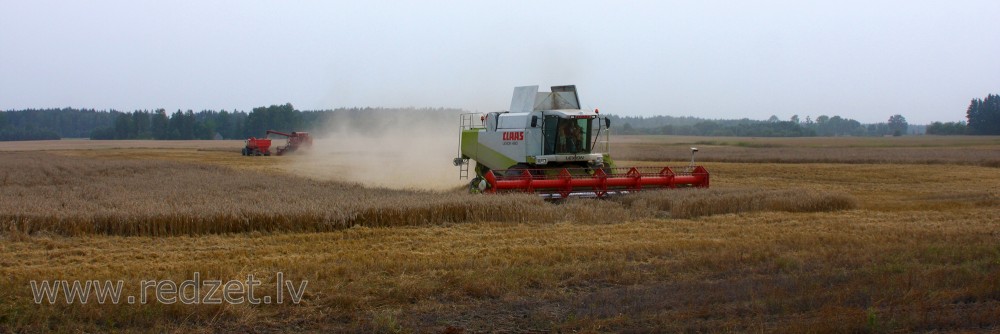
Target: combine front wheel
477, 185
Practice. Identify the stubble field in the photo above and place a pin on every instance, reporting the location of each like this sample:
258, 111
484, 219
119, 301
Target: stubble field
821, 235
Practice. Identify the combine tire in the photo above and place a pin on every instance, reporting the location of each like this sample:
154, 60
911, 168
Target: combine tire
477, 185
244, 151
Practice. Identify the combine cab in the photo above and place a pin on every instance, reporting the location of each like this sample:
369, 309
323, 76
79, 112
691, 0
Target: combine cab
547, 145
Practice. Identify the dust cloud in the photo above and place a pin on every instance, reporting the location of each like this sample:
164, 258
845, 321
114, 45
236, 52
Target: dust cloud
389, 148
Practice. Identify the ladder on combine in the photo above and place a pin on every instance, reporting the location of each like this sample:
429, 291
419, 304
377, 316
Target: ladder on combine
467, 123
463, 168
603, 142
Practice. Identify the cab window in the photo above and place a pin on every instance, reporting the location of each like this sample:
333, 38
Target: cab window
567, 135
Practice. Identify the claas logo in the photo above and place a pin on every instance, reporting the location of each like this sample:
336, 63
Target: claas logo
513, 136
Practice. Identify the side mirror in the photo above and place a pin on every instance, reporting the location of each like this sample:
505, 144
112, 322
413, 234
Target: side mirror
607, 123
534, 121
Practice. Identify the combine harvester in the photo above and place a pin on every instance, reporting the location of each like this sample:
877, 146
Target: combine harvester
262, 146
295, 141
547, 145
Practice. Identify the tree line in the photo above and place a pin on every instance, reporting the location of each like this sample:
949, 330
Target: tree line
209, 124
179, 125
983, 118
823, 125
47, 124
44, 124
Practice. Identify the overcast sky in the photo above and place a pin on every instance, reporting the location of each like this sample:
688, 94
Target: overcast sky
865, 60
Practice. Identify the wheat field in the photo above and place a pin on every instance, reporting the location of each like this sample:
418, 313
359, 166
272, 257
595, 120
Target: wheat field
904, 244
961, 150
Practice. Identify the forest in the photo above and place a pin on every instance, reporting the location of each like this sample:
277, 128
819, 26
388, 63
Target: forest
46, 124
824, 126
983, 117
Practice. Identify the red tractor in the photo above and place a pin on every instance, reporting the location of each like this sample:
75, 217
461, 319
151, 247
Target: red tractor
296, 140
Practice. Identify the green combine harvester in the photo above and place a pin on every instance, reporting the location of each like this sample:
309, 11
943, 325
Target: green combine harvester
546, 144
